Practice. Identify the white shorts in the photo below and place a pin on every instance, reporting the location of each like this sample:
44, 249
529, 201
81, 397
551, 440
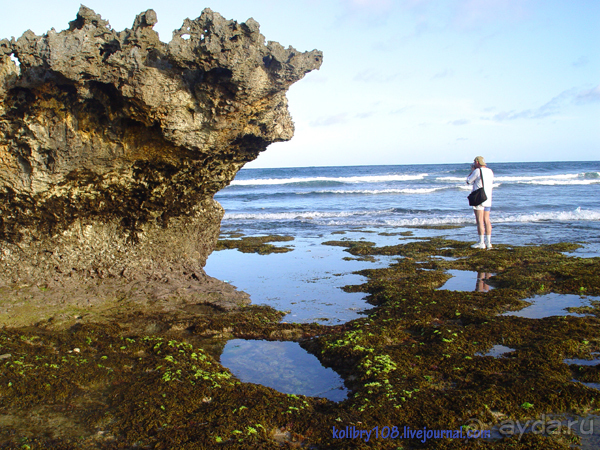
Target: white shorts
482, 208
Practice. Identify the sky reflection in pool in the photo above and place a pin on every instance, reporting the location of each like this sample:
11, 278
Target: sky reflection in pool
283, 366
467, 280
552, 305
306, 282
583, 362
497, 351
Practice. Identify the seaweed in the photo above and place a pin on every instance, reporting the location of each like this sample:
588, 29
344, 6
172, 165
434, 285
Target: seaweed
255, 244
419, 359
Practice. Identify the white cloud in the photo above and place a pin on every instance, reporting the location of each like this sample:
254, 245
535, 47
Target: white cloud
443, 74
373, 6
327, 121
402, 110
371, 13
582, 61
365, 115
459, 122
374, 76
475, 13
552, 107
590, 95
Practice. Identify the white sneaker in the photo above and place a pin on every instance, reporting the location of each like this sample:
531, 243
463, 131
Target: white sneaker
489, 246
478, 245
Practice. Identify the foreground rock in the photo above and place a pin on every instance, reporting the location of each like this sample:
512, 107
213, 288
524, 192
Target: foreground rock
113, 144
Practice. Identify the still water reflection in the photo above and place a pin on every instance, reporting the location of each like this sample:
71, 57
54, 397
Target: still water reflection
552, 305
283, 366
467, 280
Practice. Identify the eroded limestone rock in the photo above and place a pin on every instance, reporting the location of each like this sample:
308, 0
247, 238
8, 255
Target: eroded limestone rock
113, 144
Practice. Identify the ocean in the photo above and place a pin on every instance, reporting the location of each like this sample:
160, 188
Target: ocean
533, 203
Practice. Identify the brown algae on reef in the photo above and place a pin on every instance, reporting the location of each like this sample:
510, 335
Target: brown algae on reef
423, 357
255, 244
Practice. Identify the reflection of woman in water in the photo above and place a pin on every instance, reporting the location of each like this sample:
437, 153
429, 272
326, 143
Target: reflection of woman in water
482, 212
481, 285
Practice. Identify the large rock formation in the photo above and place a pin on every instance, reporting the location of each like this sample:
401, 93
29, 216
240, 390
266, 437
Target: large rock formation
113, 144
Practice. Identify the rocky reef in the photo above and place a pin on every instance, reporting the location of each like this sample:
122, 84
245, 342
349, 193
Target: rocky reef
113, 144
423, 358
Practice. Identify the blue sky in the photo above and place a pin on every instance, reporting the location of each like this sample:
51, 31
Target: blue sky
408, 81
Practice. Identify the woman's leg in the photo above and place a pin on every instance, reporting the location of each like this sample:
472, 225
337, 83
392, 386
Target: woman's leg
487, 225
479, 218
480, 228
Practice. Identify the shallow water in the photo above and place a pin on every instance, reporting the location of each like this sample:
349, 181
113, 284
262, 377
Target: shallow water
552, 304
445, 258
305, 282
590, 385
467, 280
283, 366
497, 351
583, 362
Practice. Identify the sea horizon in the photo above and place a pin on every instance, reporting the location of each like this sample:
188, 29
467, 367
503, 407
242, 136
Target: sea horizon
468, 162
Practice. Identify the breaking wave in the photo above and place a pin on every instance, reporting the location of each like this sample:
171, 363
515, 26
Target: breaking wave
326, 180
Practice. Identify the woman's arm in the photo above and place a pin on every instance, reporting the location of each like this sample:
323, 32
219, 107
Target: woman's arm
473, 176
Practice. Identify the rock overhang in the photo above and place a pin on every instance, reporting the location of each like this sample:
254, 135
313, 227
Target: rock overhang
113, 144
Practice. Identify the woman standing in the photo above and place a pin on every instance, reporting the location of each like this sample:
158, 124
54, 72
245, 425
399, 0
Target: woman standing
482, 212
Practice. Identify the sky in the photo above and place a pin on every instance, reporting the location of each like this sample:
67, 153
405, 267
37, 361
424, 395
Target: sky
407, 81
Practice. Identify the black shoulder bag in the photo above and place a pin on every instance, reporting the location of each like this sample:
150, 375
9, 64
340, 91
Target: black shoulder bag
477, 197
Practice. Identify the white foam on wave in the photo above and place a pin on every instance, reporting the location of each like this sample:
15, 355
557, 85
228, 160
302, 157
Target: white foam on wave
356, 179
561, 182
558, 216
415, 221
555, 180
382, 217
374, 191
452, 179
461, 184
547, 180
469, 187
304, 215
527, 178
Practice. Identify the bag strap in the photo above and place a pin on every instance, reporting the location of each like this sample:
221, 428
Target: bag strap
481, 175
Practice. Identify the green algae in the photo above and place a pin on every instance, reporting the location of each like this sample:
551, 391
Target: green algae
255, 244
435, 334
140, 390
413, 361
416, 351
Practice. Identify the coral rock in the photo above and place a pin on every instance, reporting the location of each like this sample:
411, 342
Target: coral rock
113, 144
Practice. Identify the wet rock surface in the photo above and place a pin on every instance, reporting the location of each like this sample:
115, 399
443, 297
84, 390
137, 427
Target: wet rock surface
113, 144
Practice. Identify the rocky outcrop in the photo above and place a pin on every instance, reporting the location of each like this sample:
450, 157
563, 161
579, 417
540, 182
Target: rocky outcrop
113, 144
